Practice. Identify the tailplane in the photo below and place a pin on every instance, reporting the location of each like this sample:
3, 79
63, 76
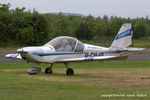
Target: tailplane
123, 38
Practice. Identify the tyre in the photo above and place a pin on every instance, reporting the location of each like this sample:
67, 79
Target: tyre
69, 71
48, 70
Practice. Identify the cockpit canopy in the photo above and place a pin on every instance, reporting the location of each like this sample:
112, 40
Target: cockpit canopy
66, 44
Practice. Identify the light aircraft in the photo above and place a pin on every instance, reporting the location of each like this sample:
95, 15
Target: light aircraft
65, 49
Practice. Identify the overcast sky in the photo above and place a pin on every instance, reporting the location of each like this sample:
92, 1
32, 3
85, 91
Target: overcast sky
123, 8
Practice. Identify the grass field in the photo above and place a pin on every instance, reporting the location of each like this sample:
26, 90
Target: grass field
92, 81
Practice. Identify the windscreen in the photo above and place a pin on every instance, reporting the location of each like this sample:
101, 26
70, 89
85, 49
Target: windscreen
63, 44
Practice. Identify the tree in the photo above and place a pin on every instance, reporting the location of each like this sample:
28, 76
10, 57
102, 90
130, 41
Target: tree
90, 20
83, 31
5, 16
40, 29
100, 28
140, 28
105, 18
62, 27
115, 25
32, 28
74, 21
3, 32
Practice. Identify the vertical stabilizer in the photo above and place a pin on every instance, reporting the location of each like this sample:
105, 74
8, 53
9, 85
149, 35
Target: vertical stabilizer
124, 37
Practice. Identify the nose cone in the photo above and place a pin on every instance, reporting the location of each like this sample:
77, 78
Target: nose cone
20, 50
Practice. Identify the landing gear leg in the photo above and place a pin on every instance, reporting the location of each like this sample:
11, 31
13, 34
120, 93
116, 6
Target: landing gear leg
69, 71
49, 70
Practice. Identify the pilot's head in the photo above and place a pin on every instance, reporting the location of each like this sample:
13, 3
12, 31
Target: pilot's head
57, 42
64, 42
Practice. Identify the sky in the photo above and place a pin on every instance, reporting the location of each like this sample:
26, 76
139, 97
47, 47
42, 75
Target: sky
120, 8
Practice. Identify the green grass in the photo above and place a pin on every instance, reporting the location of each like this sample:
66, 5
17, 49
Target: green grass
142, 43
90, 82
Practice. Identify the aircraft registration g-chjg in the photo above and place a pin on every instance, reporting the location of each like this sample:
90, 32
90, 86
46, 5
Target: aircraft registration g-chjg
65, 49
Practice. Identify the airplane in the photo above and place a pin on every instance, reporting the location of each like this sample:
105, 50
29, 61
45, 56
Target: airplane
65, 49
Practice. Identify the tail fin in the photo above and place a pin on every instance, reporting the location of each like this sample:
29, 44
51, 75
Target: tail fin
124, 37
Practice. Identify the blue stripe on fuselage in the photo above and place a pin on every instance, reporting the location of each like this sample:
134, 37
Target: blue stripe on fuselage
88, 58
53, 54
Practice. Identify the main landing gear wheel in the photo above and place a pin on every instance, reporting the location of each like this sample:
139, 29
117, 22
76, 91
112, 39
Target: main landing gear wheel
70, 71
49, 70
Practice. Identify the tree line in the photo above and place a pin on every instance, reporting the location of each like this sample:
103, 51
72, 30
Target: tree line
32, 28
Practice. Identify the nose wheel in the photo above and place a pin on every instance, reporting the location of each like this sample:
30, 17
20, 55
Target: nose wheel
69, 71
49, 70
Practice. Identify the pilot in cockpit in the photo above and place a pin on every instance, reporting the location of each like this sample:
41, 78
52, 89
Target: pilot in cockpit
57, 44
64, 47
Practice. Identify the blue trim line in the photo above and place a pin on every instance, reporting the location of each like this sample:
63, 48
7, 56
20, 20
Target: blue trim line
124, 34
51, 54
110, 52
95, 47
88, 59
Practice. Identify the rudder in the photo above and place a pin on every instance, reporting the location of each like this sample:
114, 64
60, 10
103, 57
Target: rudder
124, 37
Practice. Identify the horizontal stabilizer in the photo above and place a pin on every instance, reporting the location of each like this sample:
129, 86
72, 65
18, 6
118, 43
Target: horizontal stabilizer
127, 49
14, 56
134, 49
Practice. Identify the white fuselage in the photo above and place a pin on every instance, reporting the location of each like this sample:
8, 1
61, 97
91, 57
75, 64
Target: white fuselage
47, 54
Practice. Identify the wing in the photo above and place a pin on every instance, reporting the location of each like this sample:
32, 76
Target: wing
85, 59
14, 56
